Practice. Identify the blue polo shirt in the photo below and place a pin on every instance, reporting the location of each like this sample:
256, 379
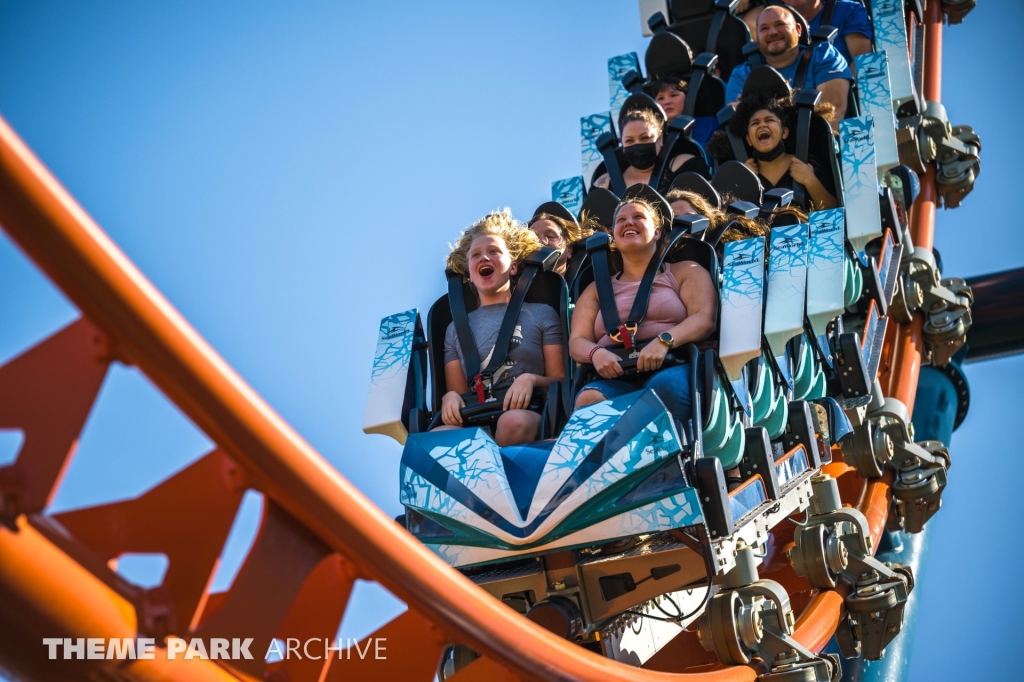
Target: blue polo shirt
848, 17
826, 65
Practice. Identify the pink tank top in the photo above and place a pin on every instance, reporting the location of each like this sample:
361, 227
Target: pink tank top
664, 309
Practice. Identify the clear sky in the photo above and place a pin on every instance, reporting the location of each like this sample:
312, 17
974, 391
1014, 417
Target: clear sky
288, 174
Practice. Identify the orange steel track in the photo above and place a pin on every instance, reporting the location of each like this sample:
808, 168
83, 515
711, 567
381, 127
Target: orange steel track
318, 533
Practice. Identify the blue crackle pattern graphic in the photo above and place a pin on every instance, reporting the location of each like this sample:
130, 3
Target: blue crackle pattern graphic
591, 128
473, 459
876, 101
787, 278
617, 68
889, 23
858, 157
394, 346
743, 272
825, 267
655, 441
569, 193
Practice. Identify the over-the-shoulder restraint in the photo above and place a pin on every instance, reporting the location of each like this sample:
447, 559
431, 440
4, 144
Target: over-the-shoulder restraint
619, 331
542, 259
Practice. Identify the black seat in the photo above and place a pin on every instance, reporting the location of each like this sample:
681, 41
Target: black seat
738, 181
767, 81
667, 55
698, 184
711, 26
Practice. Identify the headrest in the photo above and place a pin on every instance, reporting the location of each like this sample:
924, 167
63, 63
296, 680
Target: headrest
668, 54
651, 196
600, 205
640, 101
738, 181
743, 208
764, 80
698, 184
556, 209
693, 223
545, 257
684, 9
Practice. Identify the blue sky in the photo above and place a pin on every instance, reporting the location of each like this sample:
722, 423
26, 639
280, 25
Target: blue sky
287, 175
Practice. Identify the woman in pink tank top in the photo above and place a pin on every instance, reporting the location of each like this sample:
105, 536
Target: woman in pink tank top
682, 308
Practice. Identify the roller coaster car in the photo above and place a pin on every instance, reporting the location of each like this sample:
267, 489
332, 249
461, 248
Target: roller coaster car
620, 503
710, 27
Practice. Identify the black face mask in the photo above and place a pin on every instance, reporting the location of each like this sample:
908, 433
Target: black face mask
772, 155
641, 156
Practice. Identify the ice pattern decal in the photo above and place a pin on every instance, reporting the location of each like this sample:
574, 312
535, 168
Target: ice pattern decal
591, 128
825, 268
617, 68
787, 278
742, 294
890, 27
394, 346
863, 217
569, 193
876, 101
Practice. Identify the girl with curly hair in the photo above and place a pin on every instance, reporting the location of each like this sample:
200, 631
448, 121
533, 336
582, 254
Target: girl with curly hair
489, 254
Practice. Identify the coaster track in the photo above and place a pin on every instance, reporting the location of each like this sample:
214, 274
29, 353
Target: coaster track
318, 533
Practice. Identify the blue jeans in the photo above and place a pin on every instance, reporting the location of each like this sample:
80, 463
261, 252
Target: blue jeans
672, 385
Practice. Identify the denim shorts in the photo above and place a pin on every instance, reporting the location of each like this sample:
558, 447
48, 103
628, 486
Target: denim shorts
672, 385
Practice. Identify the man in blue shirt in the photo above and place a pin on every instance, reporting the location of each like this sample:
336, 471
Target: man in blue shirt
848, 17
778, 38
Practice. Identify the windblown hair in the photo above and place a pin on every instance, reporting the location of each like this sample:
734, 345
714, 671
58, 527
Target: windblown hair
741, 227
648, 206
520, 241
645, 115
571, 232
718, 145
699, 203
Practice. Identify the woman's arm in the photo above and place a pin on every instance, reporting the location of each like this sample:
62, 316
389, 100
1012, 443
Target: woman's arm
452, 402
582, 341
518, 395
698, 294
805, 175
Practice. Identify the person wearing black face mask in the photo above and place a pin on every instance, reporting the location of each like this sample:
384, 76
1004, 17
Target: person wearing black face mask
764, 123
642, 139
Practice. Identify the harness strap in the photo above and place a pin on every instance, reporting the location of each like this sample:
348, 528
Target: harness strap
606, 145
826, 13
800, 77
805, 102
460, 318
679, 127
576, 262
619, 331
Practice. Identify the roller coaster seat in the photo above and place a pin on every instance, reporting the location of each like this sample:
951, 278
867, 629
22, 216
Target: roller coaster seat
547, 287
711, 26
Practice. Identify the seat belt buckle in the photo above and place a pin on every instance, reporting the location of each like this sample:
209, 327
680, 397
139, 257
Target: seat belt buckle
478, 384
624, 334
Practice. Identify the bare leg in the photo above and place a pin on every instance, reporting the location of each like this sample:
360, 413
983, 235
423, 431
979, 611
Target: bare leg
517, 426
444, 427
589, 397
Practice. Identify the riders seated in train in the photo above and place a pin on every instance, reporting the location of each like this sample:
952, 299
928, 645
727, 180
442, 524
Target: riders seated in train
819, 66
682, 308
556, 227
765, 125
489, 255
642, 130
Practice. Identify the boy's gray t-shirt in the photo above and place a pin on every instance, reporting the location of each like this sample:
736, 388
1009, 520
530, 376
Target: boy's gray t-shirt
538, 326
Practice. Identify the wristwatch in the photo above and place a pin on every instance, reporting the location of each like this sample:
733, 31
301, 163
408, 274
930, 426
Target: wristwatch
666, 339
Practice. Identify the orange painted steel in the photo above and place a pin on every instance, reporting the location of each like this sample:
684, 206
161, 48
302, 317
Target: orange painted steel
145, 330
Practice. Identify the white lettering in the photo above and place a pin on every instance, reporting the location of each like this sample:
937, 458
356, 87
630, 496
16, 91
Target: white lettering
95, 648
239, 651
362, 654
305, 650
275, 648
144, 648
377, 648
196, 648
219, 648
288, 653
175, 646
121, 648
328, 648
78, 648
53, 643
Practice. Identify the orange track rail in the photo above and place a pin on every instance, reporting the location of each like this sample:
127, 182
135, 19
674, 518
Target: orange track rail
318, 534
